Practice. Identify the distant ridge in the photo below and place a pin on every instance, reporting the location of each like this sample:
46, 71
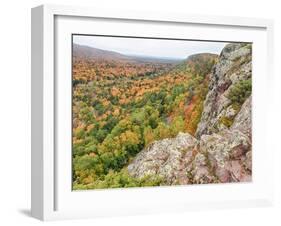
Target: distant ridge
199, 56
202, 61
91, 53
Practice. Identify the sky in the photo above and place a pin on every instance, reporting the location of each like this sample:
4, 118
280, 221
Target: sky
178, 49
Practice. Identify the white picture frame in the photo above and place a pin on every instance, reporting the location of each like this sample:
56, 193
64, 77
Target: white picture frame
51, 197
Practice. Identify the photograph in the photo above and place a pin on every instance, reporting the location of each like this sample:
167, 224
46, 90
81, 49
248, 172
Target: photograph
160, 112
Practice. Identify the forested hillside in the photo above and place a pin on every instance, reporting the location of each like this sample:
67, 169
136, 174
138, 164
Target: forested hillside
122, 104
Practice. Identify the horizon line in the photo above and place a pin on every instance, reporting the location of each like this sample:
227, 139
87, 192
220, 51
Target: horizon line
145, 56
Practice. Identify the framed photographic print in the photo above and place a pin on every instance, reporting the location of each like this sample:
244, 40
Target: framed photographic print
137, 113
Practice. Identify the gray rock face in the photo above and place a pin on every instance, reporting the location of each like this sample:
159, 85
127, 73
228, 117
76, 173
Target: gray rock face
243, 120
234, 65
219, 153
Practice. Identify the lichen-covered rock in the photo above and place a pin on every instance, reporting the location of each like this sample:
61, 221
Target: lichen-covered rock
166, 158
248, 161
200, 170
225, 152
243, 120
220, 157
234, 65
224, 145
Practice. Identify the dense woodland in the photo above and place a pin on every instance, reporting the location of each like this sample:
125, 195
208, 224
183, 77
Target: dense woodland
120, 106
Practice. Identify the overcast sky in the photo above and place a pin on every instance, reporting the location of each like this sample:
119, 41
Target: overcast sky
150, 47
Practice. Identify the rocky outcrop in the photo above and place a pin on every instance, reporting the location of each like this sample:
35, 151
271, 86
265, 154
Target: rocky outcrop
217, 158
220, 152
234, 65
